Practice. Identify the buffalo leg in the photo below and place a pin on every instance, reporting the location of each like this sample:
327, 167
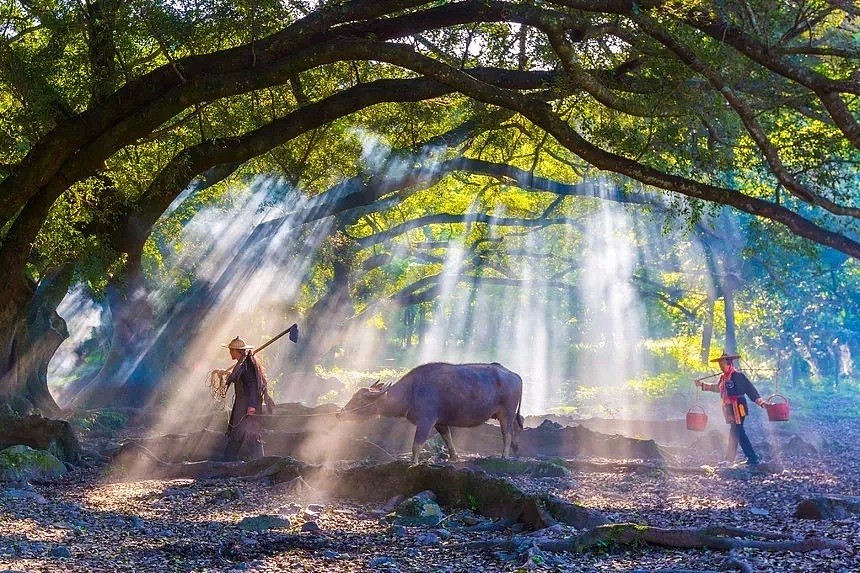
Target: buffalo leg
422, 432
445, 431
505, 426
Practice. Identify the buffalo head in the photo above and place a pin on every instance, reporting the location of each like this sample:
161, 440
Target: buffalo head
363, 403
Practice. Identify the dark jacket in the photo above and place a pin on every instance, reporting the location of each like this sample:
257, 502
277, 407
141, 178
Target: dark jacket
249, 383
737, 386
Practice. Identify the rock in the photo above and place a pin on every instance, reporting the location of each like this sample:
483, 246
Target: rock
310, 515
383, 561
296, 487
23, 494
55, 436
443, 533
311, 526
418, 510
398, 530
828, 507
797, 445
329, 554
549, 426
315, 507
264, 522
759, 511
61, 551
392, 503
290, 509
24, 463
227, 494
427, 538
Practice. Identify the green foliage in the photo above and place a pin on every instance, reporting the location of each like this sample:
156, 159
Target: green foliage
825, 404
102, 420
660, 386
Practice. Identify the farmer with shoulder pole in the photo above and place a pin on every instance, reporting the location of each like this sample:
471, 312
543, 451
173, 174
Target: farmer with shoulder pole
244, 427
732, 386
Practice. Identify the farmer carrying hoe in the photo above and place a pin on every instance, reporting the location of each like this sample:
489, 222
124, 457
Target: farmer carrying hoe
244, 427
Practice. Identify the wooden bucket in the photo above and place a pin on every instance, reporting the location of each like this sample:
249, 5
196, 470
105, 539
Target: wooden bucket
777, 411
697, 421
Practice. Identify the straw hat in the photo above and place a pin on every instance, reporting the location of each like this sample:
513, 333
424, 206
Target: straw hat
237, 344
725, 356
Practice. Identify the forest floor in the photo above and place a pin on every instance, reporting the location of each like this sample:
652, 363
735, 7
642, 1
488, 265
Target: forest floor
88, 522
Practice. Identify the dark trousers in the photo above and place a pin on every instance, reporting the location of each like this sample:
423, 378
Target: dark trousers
737, 435
234, 448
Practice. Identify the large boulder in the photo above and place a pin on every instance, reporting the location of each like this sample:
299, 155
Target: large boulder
23, 463
55, 436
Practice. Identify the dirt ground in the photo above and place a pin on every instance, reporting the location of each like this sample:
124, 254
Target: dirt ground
87, 522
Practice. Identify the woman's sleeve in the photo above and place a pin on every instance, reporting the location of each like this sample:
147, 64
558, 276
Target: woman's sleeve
234, 374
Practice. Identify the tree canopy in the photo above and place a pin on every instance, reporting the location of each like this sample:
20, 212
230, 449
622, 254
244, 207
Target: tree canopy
112, 108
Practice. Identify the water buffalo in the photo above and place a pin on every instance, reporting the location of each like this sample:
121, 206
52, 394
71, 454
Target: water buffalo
440, 395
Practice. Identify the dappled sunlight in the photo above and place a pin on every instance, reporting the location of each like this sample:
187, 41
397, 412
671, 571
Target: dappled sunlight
34, 530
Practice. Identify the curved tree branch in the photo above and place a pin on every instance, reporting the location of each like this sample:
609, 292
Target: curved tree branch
541, 115
747, 116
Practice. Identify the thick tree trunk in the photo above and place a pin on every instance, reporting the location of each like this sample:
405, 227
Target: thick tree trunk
29, 341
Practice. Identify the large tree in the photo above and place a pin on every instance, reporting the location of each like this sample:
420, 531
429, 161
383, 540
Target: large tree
119, 106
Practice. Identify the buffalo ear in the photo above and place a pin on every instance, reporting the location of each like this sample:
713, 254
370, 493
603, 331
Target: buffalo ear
377, 385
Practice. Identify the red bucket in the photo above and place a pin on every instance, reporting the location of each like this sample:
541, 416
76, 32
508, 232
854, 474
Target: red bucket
697, 421
777, 411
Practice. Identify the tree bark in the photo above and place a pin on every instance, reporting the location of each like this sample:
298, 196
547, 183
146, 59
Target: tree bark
30, 343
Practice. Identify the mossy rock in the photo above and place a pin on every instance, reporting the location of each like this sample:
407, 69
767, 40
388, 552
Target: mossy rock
418, 511
264, 523
23, 463
56, 436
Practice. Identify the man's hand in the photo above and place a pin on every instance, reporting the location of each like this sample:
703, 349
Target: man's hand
251, 410
698, 383
761, 402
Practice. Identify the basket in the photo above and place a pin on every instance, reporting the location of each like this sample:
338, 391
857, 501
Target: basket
777, 411
697, 421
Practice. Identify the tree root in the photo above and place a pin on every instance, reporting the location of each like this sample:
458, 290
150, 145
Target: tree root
719, 538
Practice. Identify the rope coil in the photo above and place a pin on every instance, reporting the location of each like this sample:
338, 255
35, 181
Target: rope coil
216, 381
